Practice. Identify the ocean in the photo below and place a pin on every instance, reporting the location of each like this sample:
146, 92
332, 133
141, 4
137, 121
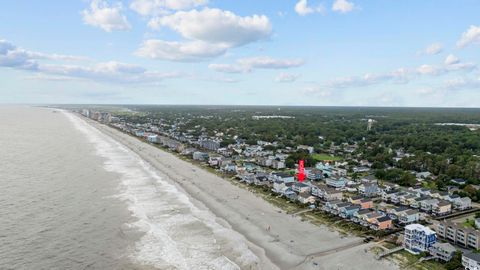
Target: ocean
73, 198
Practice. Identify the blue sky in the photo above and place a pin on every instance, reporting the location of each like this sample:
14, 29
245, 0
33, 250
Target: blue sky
271, 52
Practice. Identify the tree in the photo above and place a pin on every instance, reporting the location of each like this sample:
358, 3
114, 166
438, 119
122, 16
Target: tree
407, 179
293, 159
226, 142
455, 262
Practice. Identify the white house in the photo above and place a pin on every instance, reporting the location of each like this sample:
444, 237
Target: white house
418, 238
471, 261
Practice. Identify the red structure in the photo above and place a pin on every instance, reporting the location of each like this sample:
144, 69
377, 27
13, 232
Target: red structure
301, 171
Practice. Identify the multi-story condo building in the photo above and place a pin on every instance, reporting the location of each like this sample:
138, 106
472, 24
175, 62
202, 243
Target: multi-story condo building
418, 238
459, 235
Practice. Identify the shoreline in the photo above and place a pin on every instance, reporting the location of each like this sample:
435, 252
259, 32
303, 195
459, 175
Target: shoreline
290, 241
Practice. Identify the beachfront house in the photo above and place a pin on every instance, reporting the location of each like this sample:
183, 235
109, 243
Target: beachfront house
200, 155
349, 211
277, 186
229, 167
152, 138
333, 207
382, 223
248, 178
372, 217
418, 238
361, 215
306, 198
214, 161
442, 251
330, 205
288, 193
261, 179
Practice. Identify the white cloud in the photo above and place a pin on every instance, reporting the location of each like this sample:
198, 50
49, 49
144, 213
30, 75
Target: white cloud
12, 56
112, 71
467, 67
302, 8
15, 57
285, 77
162, 7
401, 75
208, 33
451, 60
270, 63
432, 49
451, 64
180, 51
229, 68
462, 84
108, 18
471, 36
261, 62
342, 6
430, 70
216, 26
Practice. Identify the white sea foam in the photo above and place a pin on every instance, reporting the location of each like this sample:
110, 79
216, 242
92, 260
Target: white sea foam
177, 234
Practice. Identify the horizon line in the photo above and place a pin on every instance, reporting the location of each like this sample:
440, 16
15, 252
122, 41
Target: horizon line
236, 105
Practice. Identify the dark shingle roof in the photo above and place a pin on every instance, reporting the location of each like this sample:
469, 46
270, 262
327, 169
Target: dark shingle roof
383, 219
474, 256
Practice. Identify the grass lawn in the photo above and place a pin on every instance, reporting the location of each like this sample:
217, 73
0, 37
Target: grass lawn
469, 223
322, 157
410, 261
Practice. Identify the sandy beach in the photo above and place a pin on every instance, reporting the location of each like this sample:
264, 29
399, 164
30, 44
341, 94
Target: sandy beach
289, 244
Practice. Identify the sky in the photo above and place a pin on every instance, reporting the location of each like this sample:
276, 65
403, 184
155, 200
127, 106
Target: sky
250, 52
